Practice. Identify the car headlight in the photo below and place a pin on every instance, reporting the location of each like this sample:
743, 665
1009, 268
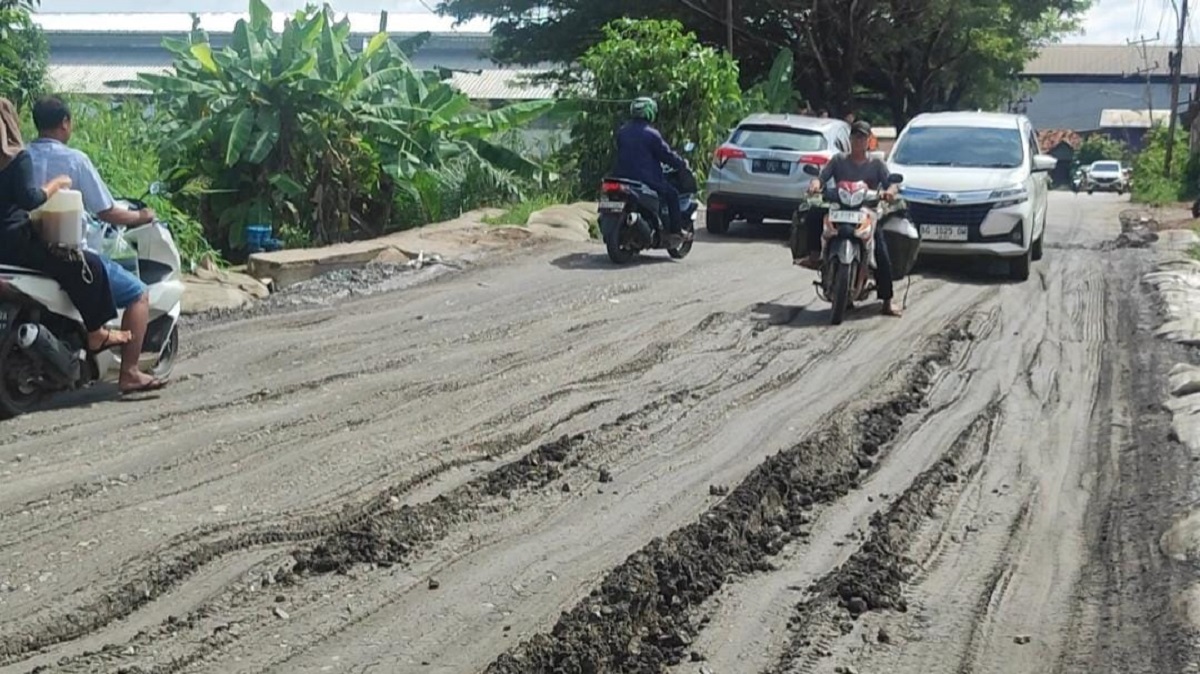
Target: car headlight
1009, 196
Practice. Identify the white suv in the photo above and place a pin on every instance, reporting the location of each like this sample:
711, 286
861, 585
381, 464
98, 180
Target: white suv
976, 184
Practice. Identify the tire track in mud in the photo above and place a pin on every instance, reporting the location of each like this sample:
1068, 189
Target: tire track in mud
651, 355
381, 532
394, 533
641, 617
872, 578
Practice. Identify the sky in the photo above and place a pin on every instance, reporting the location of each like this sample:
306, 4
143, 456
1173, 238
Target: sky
1109, 21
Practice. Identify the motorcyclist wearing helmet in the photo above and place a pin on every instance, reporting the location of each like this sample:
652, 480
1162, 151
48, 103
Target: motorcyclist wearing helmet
854, 166
641, 152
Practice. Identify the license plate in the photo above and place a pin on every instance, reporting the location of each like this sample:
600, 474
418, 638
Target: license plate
944, 232
612, 205
845, 217
771, 166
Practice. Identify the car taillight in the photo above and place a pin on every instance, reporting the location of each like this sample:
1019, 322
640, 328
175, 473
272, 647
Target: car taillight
815, 159
725, 153
609, 188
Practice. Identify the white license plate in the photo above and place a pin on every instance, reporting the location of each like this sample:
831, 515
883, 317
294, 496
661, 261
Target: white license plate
845, 217
612, 205
944, 232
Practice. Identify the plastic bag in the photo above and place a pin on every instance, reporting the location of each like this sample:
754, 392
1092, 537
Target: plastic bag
109, 240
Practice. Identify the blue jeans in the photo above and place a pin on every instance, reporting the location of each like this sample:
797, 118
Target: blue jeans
126, 288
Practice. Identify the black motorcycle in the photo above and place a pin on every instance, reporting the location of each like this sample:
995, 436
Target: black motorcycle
633, 218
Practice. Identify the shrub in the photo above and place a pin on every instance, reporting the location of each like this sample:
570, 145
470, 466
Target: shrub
1149, 184
23, 55
696, 88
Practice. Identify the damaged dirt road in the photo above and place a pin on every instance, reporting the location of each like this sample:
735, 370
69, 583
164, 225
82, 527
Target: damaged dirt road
545, 464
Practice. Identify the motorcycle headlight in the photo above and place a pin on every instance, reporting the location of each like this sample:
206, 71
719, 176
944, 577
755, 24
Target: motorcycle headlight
853, 199
1009, 196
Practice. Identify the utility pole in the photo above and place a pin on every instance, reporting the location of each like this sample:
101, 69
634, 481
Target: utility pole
1146, 70
729, 26
1176, 62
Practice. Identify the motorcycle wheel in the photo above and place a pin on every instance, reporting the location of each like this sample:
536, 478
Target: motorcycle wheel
612, 242
843, 274
170, 353
13, 401
682, 251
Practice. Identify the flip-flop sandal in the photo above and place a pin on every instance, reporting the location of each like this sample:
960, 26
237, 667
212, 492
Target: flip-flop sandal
148, 387
109, 342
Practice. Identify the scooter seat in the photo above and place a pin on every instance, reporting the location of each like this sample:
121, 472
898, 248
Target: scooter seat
14, 270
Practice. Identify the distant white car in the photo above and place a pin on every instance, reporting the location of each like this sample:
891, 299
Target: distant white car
1106, 176
976, 185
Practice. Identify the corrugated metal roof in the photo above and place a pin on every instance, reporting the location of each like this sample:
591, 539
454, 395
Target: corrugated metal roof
1132, 119
486, 85
1109, 60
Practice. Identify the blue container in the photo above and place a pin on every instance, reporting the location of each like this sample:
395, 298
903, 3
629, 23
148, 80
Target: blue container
257, 237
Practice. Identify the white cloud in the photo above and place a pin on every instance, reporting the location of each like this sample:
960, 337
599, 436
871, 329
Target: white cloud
1115, 21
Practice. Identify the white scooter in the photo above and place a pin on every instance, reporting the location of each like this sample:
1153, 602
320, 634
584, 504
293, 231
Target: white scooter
42, 337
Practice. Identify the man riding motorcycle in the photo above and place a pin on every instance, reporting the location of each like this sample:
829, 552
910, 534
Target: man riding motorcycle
641, 152
852, 167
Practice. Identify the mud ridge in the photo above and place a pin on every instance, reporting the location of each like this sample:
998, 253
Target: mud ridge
872, 578
171, 568
640, 619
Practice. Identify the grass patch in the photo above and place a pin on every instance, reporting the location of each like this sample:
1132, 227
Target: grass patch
518, 214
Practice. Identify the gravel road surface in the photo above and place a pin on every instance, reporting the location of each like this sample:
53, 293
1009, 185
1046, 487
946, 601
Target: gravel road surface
541, 463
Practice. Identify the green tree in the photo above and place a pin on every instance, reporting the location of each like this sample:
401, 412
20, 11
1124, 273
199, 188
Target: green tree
326, 141
916, 55
1098, 147
23, 53
696, 88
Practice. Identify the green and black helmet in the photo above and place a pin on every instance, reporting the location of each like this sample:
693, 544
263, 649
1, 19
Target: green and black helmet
644, 108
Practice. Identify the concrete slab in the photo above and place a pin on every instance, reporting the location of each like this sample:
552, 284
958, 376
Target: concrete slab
463, 236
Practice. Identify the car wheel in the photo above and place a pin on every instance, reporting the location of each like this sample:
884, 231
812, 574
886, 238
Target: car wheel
1019, 267
1036, 252
717, 222
1090, 192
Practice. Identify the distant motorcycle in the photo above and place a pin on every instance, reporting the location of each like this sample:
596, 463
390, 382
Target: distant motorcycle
633, 219
848, 240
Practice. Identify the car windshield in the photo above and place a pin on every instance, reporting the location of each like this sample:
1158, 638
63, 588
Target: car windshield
779, 138
963, 146
1108, 166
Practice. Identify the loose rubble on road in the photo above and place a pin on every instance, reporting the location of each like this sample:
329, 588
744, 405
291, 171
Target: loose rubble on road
538, 463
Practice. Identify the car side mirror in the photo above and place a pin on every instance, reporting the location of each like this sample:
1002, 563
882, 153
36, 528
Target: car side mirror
895, 179
1043, 163
811, 170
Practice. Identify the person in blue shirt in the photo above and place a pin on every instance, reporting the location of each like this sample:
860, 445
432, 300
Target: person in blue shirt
641, 152
52, 156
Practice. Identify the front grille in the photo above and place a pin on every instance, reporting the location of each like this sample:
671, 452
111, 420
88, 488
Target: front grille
971, 215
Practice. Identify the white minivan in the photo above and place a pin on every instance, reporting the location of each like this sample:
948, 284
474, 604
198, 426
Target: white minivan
976, 184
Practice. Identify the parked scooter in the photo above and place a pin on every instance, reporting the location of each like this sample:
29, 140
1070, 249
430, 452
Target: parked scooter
632, 219
43, 339
848, 240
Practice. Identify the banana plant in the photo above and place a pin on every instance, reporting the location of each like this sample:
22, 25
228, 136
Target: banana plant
325, 138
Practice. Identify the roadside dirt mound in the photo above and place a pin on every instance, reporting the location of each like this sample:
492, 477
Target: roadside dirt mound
641, 617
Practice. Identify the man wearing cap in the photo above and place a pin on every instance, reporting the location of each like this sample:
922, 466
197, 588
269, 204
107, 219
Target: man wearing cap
852, 167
